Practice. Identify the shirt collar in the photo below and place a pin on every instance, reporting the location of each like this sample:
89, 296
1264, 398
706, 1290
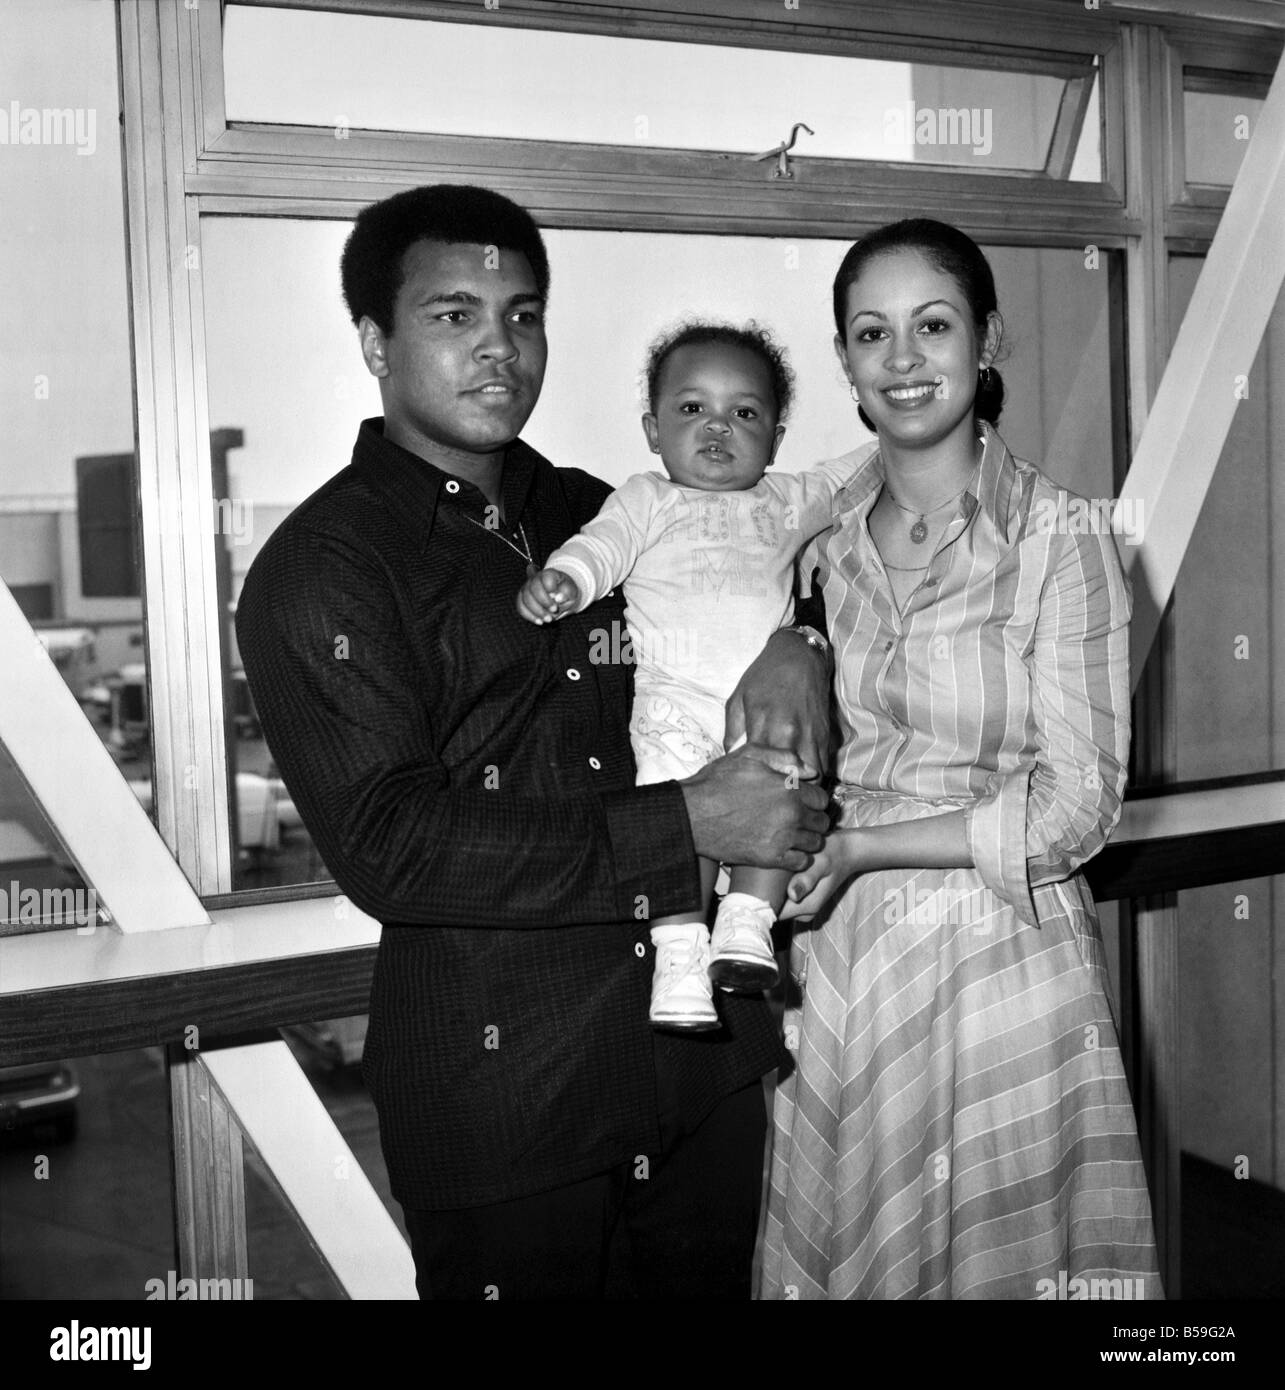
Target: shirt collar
414, 487
991, 490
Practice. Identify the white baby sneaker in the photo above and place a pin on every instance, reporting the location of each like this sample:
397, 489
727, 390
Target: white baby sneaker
742, 957
681, 995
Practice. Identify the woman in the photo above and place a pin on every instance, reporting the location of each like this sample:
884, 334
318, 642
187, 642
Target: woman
958, 1124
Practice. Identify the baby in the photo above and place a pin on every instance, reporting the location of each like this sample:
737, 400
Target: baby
706, 555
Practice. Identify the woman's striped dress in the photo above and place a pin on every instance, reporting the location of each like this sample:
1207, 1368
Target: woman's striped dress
958, 1123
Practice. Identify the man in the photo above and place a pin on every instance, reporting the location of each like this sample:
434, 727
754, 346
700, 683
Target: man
468, 780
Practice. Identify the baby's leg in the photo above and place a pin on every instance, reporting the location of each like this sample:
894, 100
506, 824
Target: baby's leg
671, 740
743, 960
681, 994
768, 885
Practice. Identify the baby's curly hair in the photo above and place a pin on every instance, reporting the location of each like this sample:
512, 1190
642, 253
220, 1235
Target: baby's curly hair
752, 336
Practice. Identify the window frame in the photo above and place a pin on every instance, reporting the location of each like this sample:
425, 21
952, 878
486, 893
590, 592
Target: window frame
185, 163
568, 184
194, 165
1196, 70
317, 962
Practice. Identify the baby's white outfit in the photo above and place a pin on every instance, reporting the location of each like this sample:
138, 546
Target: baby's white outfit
708, 577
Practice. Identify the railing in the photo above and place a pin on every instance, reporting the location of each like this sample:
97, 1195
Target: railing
267, 965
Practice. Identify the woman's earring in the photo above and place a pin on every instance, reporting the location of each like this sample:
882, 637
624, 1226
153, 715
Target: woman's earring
861, 410
984, 379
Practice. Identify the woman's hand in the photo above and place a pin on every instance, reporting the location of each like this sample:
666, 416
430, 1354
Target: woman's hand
832, 866
929, 842
783, 701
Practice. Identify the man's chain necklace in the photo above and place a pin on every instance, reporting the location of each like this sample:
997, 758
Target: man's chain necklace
524, 550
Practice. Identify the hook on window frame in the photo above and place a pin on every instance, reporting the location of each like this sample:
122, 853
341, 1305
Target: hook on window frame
781, 152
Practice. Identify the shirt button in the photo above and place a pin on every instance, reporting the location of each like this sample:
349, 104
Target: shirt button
889, 645
452, 486
573, 674
595, 764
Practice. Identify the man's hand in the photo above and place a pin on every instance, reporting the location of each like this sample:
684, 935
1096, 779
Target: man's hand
744, 811
783, 701
546, 596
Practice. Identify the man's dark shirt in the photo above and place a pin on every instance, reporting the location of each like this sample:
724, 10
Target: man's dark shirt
468, 780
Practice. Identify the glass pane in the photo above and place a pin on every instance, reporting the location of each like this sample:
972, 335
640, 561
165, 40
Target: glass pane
282, 1259
330, 1052
283, 1262
367, 72
1216, 129
1233, 1090
1017, 114
273, 281
40, 885
68, 507
1228, 614
1087, 165
86, 1199
95, 1218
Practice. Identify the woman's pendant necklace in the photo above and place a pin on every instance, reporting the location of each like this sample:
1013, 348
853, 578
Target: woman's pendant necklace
919, 530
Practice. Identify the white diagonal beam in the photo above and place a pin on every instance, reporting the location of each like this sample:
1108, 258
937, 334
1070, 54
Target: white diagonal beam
79, 787
283, 1117
1188, 423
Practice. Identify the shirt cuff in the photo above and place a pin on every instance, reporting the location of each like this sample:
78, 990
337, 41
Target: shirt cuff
657, 873
996, 830
584, 578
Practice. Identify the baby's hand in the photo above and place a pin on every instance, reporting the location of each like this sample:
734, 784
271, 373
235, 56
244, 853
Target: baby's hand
547, 596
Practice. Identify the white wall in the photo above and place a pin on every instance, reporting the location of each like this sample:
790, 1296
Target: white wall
284, 363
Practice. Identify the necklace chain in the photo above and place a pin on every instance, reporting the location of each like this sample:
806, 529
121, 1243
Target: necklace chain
524, 550
927, 511
919, 530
